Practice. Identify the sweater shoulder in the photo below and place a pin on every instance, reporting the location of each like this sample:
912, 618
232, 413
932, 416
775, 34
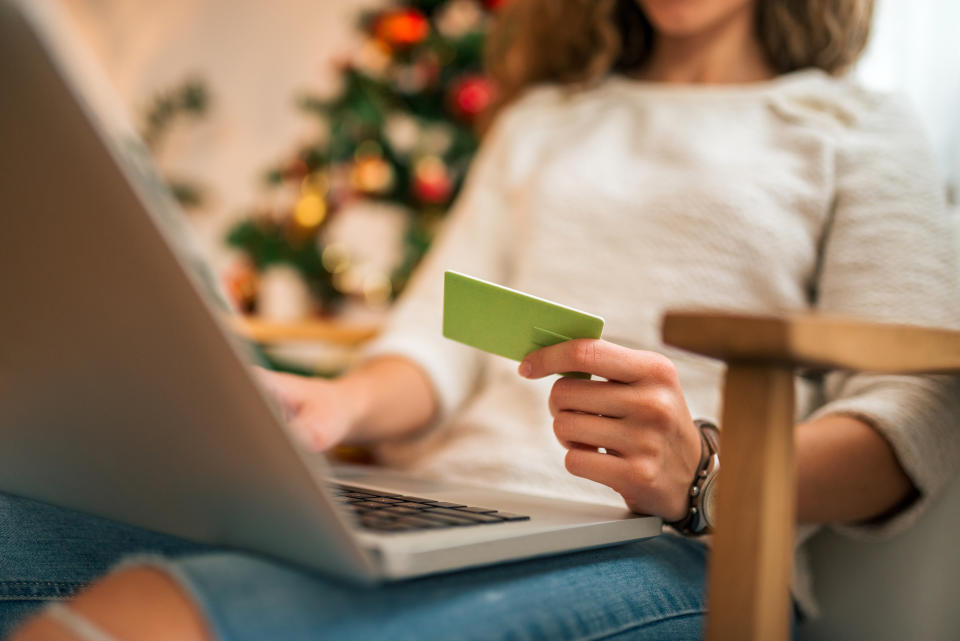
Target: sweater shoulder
521, 131
543, 108
538, 108
845, 107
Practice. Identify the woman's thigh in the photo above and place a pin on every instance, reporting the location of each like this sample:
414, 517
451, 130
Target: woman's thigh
49, 553
651, 589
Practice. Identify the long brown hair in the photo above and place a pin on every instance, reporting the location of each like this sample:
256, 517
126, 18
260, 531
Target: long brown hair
577, 42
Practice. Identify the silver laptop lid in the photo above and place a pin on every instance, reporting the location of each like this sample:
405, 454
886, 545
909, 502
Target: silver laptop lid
120, 393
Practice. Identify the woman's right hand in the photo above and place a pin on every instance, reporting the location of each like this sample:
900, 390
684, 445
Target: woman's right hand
321, 413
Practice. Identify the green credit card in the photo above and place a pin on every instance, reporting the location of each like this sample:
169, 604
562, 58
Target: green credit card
506, 322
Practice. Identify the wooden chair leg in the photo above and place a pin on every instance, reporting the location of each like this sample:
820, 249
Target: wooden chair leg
752, 557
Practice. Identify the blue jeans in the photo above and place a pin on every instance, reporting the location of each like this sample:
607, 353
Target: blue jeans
650, 589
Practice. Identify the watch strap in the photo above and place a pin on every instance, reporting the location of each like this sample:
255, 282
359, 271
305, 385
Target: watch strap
693, 523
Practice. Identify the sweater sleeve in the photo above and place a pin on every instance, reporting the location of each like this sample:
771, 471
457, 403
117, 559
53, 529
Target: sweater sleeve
889, 254
474, 240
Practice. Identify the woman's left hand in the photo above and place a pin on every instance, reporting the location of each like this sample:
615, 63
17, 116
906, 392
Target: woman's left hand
638, 415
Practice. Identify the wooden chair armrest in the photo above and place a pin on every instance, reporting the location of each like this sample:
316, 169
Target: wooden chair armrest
751, 560
819, 342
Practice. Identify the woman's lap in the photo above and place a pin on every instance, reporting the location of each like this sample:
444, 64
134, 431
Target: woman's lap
650, 589
49, 553
596, 594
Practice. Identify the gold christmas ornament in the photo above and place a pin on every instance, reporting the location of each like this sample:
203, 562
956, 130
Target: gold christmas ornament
311, 208
335, 258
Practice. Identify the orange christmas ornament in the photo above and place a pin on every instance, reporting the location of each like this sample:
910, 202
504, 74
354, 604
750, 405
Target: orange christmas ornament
402, 27
372, 175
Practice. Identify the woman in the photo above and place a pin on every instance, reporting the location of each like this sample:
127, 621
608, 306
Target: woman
651, 154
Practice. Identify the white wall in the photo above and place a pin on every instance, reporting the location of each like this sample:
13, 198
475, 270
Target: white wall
915, 49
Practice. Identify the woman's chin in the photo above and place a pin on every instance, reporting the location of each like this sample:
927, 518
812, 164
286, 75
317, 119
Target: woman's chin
689, 18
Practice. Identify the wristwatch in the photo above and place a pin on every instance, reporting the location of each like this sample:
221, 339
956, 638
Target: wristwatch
703, 491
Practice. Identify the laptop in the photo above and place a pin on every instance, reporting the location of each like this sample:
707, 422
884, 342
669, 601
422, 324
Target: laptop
123, 395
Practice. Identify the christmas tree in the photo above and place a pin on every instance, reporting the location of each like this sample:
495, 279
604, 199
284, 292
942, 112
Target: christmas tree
402, 129
190, 100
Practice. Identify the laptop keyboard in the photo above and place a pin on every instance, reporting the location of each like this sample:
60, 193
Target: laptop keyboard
387, 512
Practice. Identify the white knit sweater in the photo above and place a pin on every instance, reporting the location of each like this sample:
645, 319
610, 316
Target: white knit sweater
806, 192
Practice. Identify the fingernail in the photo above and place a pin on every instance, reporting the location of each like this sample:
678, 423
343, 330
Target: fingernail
524, 369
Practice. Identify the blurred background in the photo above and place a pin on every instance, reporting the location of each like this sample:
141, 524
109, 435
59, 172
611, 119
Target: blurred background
317, 144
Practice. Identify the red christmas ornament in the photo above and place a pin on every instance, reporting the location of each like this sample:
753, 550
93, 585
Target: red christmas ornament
471, 95
402, 27
432, 182
493, 5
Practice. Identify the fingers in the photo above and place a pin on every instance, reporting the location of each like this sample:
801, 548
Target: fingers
574, 429
600, 358
606, 469
315, 413
310, 435
283, 388
590, 397
274, 382
638, 415
636, 480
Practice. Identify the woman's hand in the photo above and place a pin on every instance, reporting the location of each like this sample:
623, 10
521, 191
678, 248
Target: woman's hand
638, 415
320, 412
386, 398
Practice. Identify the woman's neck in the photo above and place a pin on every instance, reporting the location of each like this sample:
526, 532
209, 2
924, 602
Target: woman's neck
726, 53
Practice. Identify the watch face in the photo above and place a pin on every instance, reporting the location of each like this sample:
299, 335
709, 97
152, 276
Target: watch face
709, 502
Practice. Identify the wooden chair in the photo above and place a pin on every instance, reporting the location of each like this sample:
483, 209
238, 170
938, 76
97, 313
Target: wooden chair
751, 561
